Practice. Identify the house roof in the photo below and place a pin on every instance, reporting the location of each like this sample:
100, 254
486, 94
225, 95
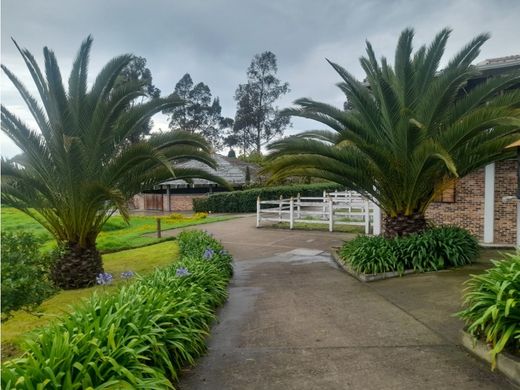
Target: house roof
231, 169
500, 62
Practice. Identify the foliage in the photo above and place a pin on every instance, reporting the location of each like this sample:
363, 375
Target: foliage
434, 249
137, 72
115, 235
245, 201
257, 120
141, 261
139, 337
200, 114
408, 131
25, 281
80, 167
492, 306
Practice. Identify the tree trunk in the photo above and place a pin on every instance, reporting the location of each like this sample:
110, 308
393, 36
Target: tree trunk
77, 267
403, 225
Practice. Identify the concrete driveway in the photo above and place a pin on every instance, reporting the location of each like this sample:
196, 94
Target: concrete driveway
294, 320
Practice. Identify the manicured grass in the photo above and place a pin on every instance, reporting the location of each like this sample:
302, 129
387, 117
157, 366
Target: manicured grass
324, 227
141, 261
116, 234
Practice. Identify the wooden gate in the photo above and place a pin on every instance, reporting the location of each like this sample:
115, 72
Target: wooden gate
153, 202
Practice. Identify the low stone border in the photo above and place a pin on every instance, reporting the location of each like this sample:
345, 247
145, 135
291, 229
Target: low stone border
365, 277
507, 364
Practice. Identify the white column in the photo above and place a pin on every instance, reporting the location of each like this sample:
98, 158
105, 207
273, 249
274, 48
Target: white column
376, 229
518, 224
258, 205
489, 203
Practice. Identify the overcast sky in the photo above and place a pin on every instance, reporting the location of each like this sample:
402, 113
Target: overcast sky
214, 40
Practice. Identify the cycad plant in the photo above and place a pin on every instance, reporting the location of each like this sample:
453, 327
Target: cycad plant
80, 168
407, 131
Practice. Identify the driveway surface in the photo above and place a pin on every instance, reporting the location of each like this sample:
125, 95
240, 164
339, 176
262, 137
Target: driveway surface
294, 320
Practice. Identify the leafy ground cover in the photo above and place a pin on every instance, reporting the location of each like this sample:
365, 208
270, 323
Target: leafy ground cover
140, 261
492, 306
434, 249
116, 234
140, 336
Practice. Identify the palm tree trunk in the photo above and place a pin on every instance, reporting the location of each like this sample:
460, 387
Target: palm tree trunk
403, 225
77, 267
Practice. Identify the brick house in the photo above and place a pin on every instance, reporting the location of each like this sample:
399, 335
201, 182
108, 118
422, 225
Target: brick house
484, 202
177, 195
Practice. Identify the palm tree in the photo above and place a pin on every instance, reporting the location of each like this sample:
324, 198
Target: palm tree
80, 169
408, 132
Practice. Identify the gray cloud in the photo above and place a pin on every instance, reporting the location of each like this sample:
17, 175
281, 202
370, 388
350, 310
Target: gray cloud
215, 40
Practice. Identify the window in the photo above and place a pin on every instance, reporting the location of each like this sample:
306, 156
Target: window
448, 195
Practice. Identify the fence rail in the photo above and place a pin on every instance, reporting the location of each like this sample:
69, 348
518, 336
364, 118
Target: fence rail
334, 208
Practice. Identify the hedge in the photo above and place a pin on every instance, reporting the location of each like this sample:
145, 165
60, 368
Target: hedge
245, 201
139, 337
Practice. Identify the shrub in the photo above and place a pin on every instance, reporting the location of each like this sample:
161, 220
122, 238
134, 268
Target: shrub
245, 201
492, 306
25, 273
434, 249
139, 337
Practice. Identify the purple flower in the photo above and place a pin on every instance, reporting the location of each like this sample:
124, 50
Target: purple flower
127, 274
208, 254
182, 271
104, 279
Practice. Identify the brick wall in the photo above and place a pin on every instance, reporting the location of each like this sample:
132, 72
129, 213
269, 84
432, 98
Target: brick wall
180, 202
505, 212
468, 209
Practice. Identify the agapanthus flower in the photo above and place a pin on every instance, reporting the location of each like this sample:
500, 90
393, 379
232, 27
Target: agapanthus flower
127, 274
208, 254
182, 271
104, 279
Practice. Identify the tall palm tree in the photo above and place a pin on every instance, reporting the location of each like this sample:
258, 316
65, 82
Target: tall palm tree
79, 169
409, 130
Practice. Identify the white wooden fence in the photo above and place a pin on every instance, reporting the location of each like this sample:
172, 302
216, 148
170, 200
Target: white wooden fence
334, 208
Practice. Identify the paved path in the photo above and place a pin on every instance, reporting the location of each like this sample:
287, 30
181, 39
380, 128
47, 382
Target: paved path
295, 321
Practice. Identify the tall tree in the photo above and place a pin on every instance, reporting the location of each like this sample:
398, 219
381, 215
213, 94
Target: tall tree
408, 132
257, 119
137, 72
201, 114
79, 168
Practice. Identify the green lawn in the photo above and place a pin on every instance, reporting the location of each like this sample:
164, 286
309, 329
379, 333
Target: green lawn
141, 261
116, 234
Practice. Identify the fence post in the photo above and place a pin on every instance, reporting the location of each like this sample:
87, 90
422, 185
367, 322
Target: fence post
291, 213
258, 211
158, 227
324, 207
331, 215
280, 209
299, 207
376, 227
367, 217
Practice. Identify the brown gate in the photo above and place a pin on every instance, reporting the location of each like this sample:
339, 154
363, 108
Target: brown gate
153, 202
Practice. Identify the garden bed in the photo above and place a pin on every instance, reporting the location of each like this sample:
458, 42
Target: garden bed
506, 363
362, 277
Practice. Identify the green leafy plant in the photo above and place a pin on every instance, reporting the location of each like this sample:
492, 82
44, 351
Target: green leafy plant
87, 159
139, 337
25, 273
406, 131
492, 306
434, 249
245, 201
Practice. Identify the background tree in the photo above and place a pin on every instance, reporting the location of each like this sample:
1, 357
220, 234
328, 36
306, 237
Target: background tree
137, 72
408, 133
200, 114
79, 168
257, 119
